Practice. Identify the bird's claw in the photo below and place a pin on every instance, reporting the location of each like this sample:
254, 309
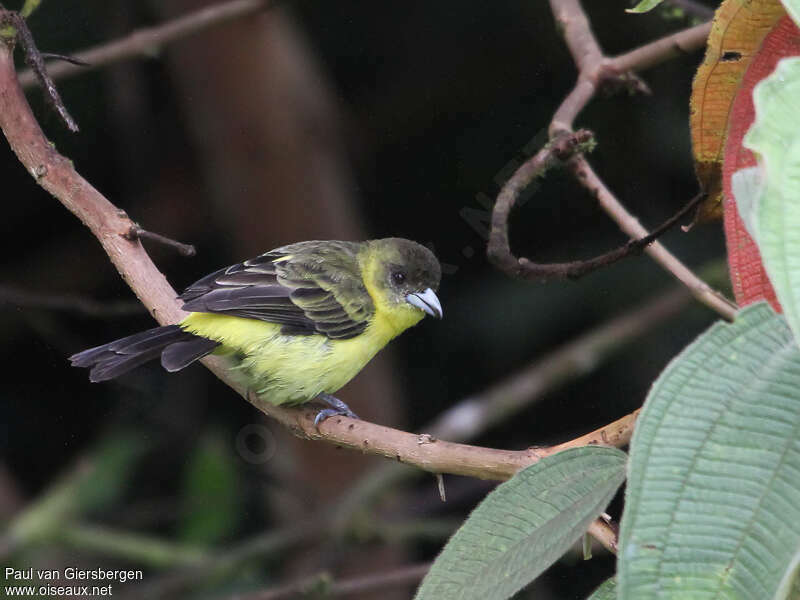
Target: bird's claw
337, 407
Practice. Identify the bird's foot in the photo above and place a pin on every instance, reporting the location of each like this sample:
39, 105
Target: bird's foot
337, 407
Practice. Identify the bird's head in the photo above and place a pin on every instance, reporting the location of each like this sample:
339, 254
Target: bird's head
406, 275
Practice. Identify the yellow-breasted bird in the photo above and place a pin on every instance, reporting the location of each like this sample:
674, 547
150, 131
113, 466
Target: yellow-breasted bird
302, 320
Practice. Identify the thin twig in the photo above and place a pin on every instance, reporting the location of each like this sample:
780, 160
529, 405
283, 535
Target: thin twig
66, 58
499, 248
577, 31
616, 434
148, 41
595, 70
137, 233
630, 225
653, 54
595, 73
561, 148
36, 63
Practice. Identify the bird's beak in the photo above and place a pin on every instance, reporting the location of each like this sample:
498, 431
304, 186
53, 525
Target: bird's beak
426, 301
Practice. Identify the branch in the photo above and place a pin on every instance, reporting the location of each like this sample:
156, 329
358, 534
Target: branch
596, 71
58, 176
562, 147
148, 41
137, 232
111, 227
474, 415
630, 225
669, 47
464, 421
558, 150
616, 434
577, 32
35, 61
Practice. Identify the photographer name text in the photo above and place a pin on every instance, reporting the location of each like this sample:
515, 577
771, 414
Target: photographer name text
71, 577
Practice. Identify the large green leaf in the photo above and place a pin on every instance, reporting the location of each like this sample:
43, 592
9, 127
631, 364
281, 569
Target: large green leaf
775, 223
713, 499
525, 525
790, 586
607, 591
793, 8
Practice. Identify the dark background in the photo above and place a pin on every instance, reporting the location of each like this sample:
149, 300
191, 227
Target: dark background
329, 120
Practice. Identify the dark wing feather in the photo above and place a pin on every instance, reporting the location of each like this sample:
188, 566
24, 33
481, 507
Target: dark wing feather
310, 287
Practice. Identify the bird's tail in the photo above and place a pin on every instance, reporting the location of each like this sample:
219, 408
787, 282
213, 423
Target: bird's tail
178, 348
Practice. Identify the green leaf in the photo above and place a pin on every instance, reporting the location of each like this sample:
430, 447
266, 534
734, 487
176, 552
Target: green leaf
607, 591
525, 525
794, 593
712, 505
793, 8
790, 586
775, 138
210, 493
644, 6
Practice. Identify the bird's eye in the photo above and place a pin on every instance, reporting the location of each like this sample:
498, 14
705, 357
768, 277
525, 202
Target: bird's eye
398, 277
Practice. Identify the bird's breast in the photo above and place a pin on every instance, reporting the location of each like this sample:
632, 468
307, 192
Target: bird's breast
291, 369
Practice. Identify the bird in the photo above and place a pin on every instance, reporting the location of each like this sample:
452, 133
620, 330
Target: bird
300, 320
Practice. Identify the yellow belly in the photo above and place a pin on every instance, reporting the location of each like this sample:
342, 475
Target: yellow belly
291, 369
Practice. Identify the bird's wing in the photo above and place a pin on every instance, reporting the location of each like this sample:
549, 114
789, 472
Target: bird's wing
307, 288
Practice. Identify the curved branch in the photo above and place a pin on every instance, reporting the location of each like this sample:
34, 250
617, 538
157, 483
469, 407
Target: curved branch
594, 71
564, 146
110, 226
499, 249
35, 62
